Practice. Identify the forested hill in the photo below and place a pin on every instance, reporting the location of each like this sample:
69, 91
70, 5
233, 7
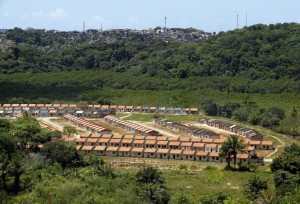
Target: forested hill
256, 52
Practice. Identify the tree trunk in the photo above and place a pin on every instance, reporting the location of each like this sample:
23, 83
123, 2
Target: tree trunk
234, 160
16, 188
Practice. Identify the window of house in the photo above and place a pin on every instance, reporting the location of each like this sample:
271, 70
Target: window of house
139, 153
217, 158
151, 154
191, 156
165, 154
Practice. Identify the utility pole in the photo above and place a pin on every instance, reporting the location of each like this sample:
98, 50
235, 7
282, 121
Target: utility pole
83, 30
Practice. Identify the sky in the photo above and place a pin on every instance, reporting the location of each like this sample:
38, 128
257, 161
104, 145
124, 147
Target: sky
208, 15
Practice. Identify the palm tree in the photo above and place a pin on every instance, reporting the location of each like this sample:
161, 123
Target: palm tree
231, 147
149, 175
254, 187
225, 152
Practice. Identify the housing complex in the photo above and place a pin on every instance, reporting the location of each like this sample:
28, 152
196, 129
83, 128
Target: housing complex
89, 111
183, 148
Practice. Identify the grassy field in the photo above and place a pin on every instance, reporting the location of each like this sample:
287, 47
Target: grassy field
195, 179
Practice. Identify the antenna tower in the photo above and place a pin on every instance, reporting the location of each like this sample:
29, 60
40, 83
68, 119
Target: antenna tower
237, 21
83, 30
166, 26
246, 19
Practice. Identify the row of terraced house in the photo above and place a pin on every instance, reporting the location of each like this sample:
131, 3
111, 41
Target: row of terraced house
235, 129
183, 148
196, 132
90, 111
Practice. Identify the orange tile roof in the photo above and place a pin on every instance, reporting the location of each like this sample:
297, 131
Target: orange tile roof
6, 105
103, 140
113, 106
188, 152
72, 105
106, 136
198, 145
195, 139
150, 142
68, 139
153, 108
172, 139
201, 153
211, 146
138, 141
31, 105
105, 106
117, 136
97, 106
254, 142
95, 136
115, 140
78, 147
23, 105
139, 137
124, 149
174, 143
184, 139
175, 151
99, 148
267, 143
64, 105
80, 139
112, 149
56, 105
126, 141
15, 105
219, 141
249, 148
163, 151
214, 154
207, 140
150, 137
150, 150
87, 148
162, 142
137, 150
91, 140
161, 138
186, 144
40, 105
85, 135
129, 107
128, 137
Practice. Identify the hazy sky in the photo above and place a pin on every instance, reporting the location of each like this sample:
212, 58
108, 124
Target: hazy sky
208, 15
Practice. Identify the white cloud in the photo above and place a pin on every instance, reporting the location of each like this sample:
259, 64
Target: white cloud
6, 14
58, 14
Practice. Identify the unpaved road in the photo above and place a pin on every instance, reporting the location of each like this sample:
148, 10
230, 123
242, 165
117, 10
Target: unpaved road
48, 121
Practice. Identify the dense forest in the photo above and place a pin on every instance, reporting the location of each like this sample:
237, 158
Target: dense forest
258, 64
58, 173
